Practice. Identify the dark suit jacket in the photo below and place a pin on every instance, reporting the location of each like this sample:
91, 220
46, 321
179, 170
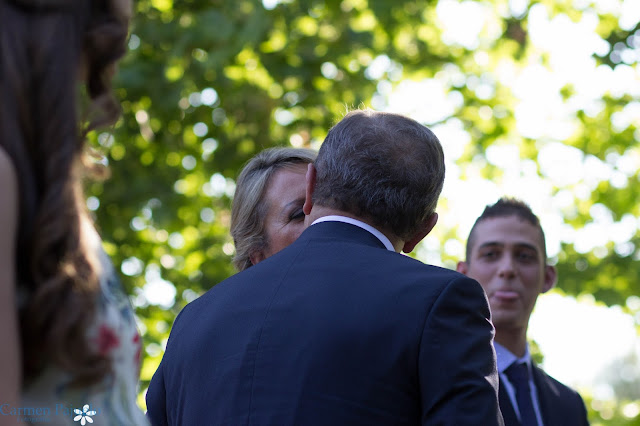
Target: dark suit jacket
332, 330
559, 404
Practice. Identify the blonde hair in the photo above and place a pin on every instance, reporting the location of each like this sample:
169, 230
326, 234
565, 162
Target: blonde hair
249, 208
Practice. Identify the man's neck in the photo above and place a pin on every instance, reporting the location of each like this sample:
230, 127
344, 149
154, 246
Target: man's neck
515, 340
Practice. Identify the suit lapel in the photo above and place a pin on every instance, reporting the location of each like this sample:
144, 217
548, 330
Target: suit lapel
508, 413
547, 394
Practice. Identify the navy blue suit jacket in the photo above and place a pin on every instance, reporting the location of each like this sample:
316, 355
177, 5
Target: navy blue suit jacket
559, 404
332, 330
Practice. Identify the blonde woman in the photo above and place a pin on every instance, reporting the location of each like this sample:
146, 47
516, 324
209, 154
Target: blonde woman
266, 215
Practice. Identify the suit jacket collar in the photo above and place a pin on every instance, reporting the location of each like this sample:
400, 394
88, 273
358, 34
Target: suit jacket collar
548, 394
341, 231
344, 219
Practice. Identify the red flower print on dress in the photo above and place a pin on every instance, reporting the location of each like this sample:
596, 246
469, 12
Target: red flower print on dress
136, 342
107, 340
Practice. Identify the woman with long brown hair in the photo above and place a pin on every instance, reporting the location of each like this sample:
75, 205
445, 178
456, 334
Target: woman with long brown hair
70, 347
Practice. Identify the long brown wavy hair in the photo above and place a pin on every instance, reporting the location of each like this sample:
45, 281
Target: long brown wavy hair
53, 54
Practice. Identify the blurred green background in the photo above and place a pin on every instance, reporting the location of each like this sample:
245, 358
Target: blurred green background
537, 99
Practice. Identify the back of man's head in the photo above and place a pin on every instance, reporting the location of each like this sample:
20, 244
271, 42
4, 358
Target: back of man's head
506, 207
383, 167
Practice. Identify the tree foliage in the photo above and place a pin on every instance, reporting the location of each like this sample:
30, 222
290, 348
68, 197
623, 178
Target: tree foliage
207, 84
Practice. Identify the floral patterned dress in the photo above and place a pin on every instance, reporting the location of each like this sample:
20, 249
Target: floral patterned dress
50, 400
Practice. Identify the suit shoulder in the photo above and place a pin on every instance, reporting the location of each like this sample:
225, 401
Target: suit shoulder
216, 301
439, 279
450, 277
565, 402
440, 271
203, 301
555, 385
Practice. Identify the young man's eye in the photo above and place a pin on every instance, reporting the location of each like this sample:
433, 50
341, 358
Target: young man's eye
527, 257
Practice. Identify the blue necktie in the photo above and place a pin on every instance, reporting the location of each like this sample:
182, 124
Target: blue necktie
518, 375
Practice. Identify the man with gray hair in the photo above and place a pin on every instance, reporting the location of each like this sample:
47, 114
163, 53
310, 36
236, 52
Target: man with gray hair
339, 328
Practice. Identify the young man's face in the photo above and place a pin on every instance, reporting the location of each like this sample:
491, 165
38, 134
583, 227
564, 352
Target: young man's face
507, 259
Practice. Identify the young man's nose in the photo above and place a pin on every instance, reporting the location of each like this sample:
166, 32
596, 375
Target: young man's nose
506, 266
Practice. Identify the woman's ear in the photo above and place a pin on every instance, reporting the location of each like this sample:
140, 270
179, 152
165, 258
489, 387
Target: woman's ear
257, 257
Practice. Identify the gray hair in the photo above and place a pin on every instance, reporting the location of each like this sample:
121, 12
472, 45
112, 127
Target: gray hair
381, 166
249, 209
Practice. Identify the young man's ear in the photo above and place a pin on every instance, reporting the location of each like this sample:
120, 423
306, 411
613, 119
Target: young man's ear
550, 278
310, 188
427, 226
462, 267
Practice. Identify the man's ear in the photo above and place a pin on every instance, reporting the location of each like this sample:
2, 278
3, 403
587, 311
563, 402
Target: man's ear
462, 267
426, 227
310, 187
550, 278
